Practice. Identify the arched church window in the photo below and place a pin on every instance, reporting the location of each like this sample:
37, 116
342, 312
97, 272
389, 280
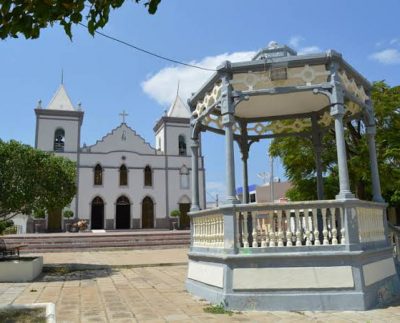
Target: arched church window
59, 140
98, 175
148, 177
184, 177
182, 145
123, 175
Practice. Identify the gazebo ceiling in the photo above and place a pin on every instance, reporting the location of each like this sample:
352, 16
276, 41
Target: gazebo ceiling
265, 106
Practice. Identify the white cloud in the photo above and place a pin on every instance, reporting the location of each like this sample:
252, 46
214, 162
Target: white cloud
394, 41
387, 56
162, 86
309, 50
295, 41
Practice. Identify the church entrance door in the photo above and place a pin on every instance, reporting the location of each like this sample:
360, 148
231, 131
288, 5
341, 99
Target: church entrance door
54, 221
184, 219
123, 213
147, 213
97, 217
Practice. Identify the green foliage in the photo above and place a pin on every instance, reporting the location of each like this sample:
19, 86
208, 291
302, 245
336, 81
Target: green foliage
217, 309
298, 158
68, 214
175, 213
4, 225
32, 181
28, 315
39, 213
387, 110
30, 17
10, 230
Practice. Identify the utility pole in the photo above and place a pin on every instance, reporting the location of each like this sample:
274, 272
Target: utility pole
271, 180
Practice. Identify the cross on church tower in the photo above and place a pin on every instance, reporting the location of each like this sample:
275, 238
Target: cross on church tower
123, 115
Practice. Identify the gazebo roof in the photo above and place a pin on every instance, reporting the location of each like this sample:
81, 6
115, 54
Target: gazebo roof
279, 84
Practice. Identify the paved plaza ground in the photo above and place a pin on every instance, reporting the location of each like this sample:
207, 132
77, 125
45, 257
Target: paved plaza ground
142, 286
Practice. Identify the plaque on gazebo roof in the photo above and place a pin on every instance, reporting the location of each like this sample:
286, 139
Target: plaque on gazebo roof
274, 50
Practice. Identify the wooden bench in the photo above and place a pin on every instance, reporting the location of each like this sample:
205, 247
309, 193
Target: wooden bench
10, 250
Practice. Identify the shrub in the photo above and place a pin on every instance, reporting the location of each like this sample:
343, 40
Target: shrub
4, 225
175, 213
68, 214
39, 214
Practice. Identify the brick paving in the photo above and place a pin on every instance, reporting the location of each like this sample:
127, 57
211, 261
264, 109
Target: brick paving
146, 294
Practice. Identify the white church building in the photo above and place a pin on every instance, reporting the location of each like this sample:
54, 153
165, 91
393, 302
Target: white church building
123, 182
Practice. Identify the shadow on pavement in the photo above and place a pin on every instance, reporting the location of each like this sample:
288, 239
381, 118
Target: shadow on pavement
71, 271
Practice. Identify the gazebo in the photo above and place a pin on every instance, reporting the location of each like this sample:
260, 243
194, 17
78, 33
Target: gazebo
311, 255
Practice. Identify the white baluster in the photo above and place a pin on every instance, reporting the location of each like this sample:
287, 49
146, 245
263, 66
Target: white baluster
208, 235
280, 233
298, 227
215, 225
194, 221
254, 225
334, 229
289, 234
211, 232
342, 230
245, 231
259, 230
308, 234
267, 231
238, 233
325, 228
317, 242
221, 231
216, 231
200, 230
264, 235
272, 231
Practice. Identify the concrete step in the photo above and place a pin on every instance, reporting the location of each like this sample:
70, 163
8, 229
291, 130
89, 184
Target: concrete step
99, 241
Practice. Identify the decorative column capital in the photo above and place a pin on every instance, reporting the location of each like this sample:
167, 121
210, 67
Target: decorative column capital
228, 119
337, 110
194, 143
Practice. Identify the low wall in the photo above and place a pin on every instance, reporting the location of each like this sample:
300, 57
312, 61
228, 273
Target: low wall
21, 269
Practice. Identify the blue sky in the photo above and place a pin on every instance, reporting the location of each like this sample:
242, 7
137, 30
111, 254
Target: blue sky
108, 77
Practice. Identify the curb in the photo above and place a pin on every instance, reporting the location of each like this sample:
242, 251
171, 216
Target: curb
78, 267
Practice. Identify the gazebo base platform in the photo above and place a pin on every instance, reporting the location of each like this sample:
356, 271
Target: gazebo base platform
334, 279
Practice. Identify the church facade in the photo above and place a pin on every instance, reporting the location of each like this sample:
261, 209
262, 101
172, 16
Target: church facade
123, 182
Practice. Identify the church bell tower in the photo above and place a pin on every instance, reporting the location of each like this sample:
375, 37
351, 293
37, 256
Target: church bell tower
58, 130
58, 126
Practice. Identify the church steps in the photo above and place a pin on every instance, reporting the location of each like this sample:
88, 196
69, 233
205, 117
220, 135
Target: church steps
113, 240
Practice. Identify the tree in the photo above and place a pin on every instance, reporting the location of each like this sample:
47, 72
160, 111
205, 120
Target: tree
32, 180
29, 17
297, 154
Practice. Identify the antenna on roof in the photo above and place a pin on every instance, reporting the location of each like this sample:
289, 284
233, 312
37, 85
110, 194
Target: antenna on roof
62, 76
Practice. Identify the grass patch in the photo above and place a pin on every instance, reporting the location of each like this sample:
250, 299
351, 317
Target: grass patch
29, 315
58, 271
217, 309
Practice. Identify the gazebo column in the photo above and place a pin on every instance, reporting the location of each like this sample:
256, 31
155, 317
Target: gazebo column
244, 151
376, 185
194, 146
316, 138
228, 120
337, 112
245, 157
